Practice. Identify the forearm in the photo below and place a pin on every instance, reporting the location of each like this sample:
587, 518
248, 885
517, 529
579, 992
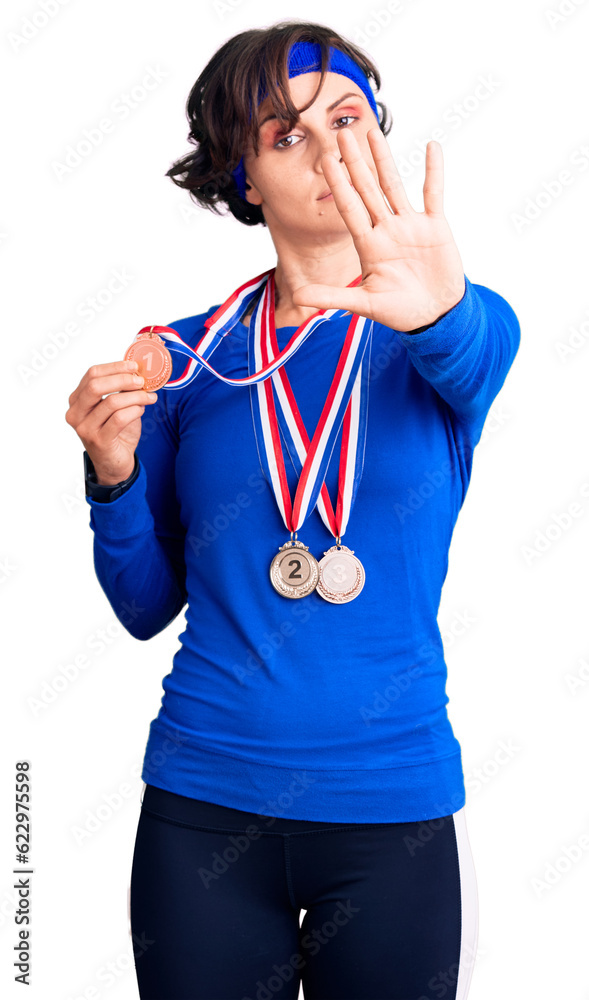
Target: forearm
467, 353
141, 581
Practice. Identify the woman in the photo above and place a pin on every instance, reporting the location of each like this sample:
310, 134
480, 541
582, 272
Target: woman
302, 758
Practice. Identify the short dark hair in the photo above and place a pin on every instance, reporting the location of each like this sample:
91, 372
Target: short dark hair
218, 108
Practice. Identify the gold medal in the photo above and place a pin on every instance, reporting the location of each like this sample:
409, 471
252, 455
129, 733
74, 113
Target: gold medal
294, 571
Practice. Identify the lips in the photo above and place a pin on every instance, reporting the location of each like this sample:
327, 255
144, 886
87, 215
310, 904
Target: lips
327, 192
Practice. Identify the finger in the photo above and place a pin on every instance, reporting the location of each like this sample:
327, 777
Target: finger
117, 422
113, 412
109, 368
95, 385
388, 175
348, 202
433, 187
362, 177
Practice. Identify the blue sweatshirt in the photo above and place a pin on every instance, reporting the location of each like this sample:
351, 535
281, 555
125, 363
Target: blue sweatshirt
303, 708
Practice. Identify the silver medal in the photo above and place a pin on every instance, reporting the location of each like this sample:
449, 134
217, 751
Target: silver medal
294, 571
341, 575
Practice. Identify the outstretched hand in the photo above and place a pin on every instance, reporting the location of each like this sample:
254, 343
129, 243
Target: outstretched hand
411, 269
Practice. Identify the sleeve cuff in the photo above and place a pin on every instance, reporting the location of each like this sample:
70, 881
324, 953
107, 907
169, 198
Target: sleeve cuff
126, 516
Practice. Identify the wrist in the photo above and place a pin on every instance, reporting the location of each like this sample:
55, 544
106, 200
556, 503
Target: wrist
105, 480
106, 492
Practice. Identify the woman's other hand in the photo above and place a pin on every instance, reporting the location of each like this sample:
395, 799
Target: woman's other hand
105, 410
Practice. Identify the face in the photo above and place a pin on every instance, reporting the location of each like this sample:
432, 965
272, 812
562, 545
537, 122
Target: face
286, 178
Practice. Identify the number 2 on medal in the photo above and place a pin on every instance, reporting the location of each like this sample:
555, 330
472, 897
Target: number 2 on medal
295, 575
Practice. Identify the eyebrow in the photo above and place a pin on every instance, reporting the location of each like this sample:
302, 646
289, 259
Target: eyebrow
351, 93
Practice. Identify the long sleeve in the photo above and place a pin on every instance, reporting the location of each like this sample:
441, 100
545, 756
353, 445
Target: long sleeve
467, 353
139, 538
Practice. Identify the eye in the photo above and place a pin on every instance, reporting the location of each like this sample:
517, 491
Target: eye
354, 117
278, 146
291, 136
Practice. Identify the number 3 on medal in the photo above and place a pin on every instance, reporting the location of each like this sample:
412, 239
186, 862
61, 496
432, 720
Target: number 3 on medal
341, 575
337, 573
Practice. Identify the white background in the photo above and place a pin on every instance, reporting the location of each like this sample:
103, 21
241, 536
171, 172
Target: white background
512, 668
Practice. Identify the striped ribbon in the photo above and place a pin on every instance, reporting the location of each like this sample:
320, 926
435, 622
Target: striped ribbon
222, 322
347, 401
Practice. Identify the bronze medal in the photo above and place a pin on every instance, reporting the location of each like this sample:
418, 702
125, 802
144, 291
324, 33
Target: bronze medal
153, 358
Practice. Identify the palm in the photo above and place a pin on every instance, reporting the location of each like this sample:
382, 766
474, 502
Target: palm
411, 269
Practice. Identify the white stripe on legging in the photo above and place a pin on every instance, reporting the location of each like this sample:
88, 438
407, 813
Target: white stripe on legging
470, 907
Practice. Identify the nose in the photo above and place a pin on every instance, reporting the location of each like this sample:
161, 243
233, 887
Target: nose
331, 146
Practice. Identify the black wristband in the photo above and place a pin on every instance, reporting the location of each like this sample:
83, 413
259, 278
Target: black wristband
420, 329
103, 493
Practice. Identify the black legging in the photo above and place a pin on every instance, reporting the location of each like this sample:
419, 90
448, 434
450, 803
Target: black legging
216, 895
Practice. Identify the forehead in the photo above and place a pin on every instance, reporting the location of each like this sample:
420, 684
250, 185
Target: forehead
302, 87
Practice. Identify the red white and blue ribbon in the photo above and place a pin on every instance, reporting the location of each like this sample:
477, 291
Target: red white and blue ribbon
347, 401
222, 322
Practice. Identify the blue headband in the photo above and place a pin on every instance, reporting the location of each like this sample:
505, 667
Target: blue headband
305, 57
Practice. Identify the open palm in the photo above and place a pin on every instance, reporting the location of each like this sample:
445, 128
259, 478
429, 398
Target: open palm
411, 269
